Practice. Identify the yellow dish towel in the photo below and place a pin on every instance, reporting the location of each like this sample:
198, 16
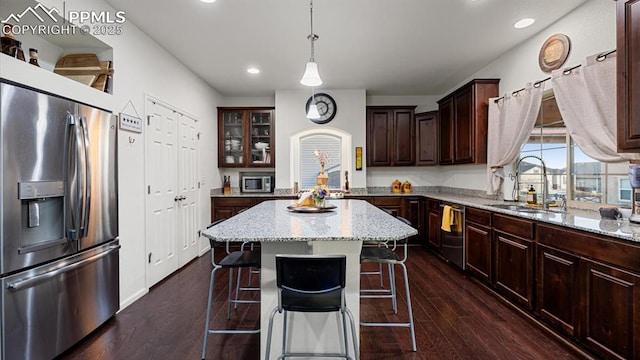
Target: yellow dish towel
447, 218
456, 224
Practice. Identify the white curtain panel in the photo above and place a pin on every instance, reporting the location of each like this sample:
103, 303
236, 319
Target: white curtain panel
586, 97
511, 120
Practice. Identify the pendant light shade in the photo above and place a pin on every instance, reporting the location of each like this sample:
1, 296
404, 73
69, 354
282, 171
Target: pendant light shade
311, 76
313, 112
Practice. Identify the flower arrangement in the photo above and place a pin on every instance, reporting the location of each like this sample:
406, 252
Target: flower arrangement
323, 158
318, 195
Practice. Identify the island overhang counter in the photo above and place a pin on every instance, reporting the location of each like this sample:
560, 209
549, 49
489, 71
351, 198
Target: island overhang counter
340, 231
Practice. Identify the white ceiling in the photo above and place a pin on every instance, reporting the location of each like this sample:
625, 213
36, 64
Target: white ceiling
388, 47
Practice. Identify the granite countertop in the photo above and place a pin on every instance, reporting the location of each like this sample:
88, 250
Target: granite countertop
351, 220
579, 219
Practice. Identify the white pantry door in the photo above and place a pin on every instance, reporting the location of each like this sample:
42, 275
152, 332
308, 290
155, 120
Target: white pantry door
172, 201
187, 189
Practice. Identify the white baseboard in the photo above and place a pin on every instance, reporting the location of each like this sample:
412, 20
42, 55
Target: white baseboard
133, 298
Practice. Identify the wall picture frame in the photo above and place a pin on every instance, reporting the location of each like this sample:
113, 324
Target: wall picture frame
358, 157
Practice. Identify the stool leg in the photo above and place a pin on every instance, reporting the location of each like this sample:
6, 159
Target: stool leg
206, 320
268, 349
409, 309
229, 296
392, 286
354, 336
344, 333
235, 305
284, 332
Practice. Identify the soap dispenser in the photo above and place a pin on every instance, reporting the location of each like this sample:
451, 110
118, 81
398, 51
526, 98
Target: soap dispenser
532, 197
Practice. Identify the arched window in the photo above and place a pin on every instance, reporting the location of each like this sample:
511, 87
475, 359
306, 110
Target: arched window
306, 166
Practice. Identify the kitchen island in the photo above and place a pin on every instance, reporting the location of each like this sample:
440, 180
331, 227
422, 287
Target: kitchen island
281, 231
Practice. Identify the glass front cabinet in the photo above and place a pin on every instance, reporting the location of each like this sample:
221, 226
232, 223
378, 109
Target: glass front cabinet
245, 137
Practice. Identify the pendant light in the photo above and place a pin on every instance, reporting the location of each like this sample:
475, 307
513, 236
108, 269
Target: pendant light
313, 113
311, 76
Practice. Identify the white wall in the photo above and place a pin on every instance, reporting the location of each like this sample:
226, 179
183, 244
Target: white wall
591, 28
267, 101
143, 67
290, 119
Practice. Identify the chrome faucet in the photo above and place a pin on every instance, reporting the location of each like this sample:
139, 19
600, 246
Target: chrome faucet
563, 203
545, 188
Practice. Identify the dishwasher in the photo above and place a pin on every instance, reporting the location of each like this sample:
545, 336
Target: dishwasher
452, 241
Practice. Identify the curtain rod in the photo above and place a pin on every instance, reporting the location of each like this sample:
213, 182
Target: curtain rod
566, 71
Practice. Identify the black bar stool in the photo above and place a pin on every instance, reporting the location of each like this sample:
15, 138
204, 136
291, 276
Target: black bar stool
311, 283
386, 255
233, 260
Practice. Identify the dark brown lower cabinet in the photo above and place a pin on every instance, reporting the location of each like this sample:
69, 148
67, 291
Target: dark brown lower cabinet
589, 289
557, 293
514, 268
513, 247
414, 212
478, 243
610, 310
228, 206
392, 204
433, 223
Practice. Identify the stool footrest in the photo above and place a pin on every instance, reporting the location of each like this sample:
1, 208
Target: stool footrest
253, 331
376, 296
288, 355
375, 290
245, 301
386, 324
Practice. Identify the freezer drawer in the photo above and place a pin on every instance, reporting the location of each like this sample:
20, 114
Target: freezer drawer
48, 309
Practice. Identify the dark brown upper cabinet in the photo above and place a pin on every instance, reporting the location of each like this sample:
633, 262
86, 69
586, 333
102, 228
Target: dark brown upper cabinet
463, 122
628, 77
246, 137
390, 136
427, 138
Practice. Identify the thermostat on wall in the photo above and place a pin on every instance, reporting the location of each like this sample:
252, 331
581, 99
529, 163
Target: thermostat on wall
130, 123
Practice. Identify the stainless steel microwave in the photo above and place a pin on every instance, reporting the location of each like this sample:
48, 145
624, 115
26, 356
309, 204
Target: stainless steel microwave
257, 184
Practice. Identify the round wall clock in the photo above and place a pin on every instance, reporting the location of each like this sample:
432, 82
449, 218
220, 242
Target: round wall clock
554, 52
326, 107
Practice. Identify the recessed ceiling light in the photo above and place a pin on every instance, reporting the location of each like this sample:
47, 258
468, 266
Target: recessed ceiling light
208, 1
253, 70
524, 23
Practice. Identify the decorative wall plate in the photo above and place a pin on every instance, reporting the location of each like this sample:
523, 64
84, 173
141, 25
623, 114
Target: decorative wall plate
554, 52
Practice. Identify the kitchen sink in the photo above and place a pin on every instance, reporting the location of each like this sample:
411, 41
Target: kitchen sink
523, 208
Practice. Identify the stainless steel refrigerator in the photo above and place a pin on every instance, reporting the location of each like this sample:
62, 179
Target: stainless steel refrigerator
59, 268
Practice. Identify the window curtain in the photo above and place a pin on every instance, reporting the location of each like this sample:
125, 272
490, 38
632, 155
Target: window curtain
586, 97
511, 120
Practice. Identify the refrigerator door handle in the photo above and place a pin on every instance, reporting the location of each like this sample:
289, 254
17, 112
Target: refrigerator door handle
86, 206
73, 163
22, 284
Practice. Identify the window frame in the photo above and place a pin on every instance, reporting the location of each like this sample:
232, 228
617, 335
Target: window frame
605, 177
345, 151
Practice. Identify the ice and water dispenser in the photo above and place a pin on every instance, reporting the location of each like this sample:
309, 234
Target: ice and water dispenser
42, 214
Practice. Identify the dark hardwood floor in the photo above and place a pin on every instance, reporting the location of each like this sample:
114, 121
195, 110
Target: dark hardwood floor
456, 318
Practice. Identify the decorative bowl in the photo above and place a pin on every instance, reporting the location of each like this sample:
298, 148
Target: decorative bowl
261, 145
